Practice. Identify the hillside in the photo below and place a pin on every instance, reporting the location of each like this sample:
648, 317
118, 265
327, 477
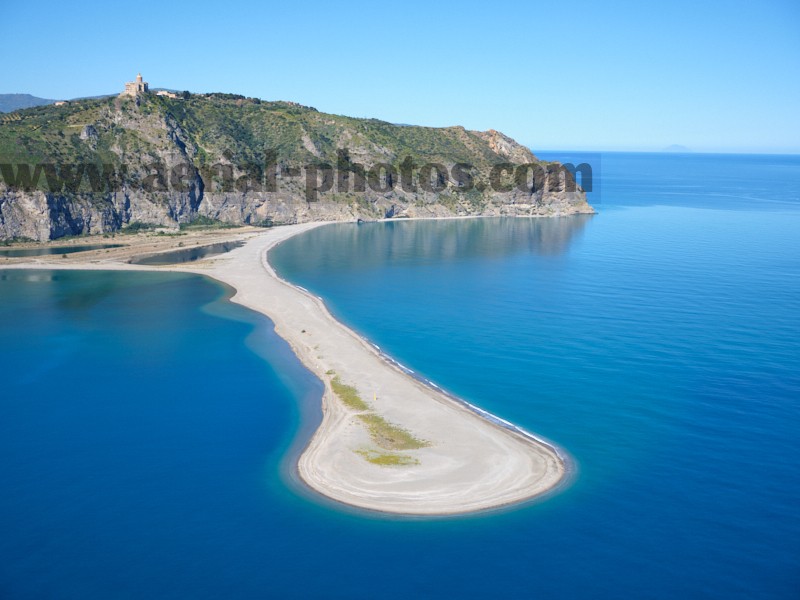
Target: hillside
97, 165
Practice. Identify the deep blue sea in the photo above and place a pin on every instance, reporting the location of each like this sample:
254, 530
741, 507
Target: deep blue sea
148, 427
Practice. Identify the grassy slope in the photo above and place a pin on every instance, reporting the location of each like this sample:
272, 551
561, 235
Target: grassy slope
243, 128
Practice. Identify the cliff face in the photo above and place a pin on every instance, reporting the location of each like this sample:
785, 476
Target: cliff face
96, 166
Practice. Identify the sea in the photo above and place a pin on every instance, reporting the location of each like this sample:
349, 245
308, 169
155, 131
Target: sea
149, 428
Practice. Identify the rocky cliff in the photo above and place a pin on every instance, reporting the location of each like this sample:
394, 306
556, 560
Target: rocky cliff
96, 166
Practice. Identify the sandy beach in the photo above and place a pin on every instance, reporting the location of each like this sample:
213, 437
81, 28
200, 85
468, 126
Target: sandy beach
462, 461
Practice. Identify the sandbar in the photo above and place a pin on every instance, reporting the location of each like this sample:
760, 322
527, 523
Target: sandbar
469, 460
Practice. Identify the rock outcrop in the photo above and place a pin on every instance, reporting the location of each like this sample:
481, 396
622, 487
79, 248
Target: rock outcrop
95, 166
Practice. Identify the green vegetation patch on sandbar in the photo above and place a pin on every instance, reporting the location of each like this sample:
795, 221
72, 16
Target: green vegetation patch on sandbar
390, 436
384, 434
387, 459
348, 394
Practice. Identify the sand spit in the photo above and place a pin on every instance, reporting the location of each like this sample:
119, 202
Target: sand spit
408, 449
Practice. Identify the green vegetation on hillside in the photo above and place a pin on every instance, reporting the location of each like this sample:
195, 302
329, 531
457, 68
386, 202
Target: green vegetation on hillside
219, 128
202, 222
137, 227
215, 160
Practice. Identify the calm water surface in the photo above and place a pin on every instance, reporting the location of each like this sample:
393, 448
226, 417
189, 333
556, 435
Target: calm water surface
186, 254
148, 427
21, 252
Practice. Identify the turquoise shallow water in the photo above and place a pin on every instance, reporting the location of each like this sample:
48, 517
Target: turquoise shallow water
146, 425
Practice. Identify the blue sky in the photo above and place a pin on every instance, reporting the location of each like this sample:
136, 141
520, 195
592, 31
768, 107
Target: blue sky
713, 76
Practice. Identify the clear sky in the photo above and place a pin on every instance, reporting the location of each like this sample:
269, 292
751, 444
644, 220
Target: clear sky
712, 76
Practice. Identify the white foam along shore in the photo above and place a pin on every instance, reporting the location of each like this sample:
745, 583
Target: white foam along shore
471, 461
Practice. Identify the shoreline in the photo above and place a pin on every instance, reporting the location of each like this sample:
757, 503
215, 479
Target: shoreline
472, 460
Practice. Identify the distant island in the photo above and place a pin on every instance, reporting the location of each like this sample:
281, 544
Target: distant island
149, 158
